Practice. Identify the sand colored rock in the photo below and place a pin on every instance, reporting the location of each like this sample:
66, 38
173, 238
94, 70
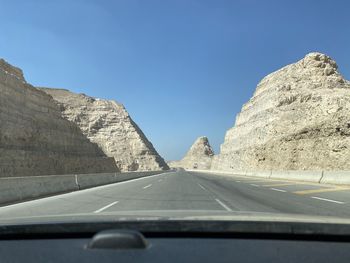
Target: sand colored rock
108, 124
35, 139
199, 156
297, 119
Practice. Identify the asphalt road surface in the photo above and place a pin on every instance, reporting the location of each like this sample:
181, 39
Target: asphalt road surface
182, 190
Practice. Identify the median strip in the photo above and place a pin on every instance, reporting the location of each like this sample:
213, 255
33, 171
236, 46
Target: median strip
105, 207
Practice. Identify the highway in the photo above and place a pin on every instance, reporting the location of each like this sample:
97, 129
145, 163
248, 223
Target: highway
192, 191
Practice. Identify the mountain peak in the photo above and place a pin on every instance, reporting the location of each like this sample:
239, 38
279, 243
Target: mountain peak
319, 60
11, 70
201, 147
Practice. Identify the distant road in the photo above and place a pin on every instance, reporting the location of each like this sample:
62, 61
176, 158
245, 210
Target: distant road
182, 190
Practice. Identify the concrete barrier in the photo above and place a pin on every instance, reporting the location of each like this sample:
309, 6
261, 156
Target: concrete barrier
16, 189
90, 180
336, 177
121, 177
85, 181
217, 172
24, 188
308, 176
262, 174
247, 173
9, 191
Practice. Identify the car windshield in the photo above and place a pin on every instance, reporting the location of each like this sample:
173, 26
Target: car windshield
174, 110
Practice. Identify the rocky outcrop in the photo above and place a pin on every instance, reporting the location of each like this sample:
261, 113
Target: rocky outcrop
108, 124
297, 119
199, 156
35, 139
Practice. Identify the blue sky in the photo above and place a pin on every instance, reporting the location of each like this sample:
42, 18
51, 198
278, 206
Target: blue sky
182, 68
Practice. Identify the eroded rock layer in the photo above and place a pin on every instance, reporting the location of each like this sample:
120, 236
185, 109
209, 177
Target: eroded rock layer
199, 156
108, 124
297, 119
35, 139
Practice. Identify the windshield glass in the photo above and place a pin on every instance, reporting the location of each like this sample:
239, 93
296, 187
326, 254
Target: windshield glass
174, 110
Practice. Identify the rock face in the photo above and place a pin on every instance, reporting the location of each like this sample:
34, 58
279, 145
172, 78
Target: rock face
108, 124
198, 157
297, 119
35, 139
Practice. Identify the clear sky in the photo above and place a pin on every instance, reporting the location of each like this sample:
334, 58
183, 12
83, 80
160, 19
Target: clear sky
182, 68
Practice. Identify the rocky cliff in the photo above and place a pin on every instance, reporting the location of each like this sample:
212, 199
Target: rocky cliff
297, 119
108, 124
199, 156
35, 139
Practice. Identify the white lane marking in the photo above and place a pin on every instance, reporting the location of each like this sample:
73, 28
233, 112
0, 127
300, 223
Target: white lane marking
105, 207
201, 186
279, 190
238, 181
223, 205
255, 185
44, 200
160, 180
328, 200
145, 187
80, 192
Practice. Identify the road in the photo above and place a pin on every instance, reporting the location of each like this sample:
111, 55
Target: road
184, 191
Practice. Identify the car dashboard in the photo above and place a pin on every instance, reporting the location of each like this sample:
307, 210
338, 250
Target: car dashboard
175, 242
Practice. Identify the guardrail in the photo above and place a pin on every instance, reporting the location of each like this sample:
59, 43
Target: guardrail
322, 177
18, 189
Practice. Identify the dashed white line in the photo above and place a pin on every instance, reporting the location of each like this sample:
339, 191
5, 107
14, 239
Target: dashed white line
279, 190
223, 205
238, 181
105, 207
160, 180
145, 187
201, 186
255, 185
328, 200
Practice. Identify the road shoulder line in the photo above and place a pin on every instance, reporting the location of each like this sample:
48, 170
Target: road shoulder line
223, 205
105, 207
327, 200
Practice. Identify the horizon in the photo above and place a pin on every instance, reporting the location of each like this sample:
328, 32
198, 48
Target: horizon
178, 79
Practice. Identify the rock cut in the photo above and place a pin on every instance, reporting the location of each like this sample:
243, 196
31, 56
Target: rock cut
297, 119
108, 124
35, 139
199, 156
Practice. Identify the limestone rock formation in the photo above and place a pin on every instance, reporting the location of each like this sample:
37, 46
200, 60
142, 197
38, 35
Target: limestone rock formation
297, 119
108, 124
199, 156
35, 139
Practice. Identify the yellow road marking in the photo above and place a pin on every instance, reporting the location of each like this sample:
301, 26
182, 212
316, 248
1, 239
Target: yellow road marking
253, 181
305, 192
280, 184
